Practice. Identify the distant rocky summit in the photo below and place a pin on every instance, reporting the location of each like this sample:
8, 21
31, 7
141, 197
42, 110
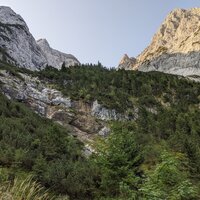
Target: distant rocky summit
56, 58
175, 48
126, 62
18, 46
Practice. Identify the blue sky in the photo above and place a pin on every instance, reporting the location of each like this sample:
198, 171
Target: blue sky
96, 30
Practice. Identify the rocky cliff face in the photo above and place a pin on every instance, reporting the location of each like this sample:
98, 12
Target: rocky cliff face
18, 46
16, 42
105, 114
127, 63
49, 103
175, 48
56, 58
87, 120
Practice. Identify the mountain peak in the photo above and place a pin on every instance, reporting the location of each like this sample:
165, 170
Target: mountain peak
124, 58
43, 40
54, 57
43, 43
175, 47
126, 62
8, 16
18, 46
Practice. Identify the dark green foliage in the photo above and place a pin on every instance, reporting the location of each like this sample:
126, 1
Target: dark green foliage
23, 132
169, 180
37, 145
119, 159
128, 164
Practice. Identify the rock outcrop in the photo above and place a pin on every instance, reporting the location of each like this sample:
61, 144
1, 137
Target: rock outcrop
18, 46
56, 58
86, 120
105, 114
105, 131
175, 48
127, 63
32, 92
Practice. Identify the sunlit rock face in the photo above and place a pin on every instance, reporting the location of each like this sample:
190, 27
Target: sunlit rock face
175, 48
56, 58
18, 46
127, 63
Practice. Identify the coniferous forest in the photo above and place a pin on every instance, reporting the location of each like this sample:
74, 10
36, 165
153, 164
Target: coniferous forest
152, 157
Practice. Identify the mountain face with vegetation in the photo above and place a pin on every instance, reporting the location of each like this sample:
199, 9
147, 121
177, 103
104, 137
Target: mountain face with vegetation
150, 152
175, 47
18, 46
88, 132
85, 118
